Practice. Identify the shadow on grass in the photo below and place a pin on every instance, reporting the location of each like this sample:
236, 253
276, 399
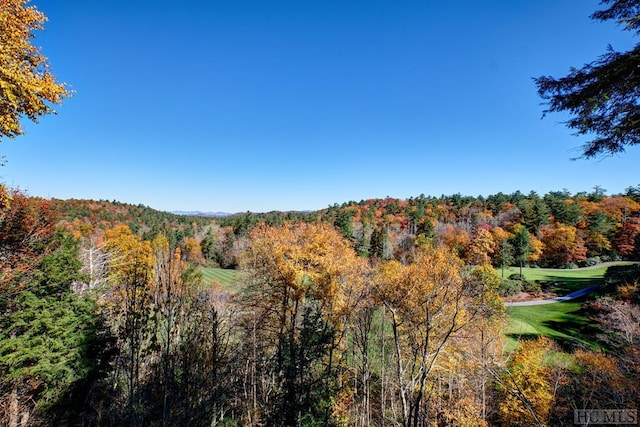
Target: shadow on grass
575, 330
571, 329
564, 285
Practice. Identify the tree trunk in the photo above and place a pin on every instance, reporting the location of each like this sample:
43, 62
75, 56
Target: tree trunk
13, 408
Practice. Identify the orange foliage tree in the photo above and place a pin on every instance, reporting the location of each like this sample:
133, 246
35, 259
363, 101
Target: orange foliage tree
562, 245
193, 251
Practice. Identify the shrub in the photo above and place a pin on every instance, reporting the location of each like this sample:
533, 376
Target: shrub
509, 287
533, 287
592, 261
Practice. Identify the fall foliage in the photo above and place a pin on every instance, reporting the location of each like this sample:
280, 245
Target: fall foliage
27, 86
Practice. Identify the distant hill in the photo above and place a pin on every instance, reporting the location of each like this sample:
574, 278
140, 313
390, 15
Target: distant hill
198, 213
88, 217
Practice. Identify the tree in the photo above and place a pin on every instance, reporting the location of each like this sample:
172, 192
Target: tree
193, 251
304, 281
27, 87
602, 96
535, 212
562, 246
380, 245
599, 233
26, 227
521, 242
208, 246
536, 247
527, 387
131, 272
563, 208
627, 241
46, 340
481, 248
429, 303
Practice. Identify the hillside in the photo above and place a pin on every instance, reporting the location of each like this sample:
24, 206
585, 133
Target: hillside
559, 229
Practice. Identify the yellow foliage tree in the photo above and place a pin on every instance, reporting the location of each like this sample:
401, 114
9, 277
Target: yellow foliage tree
536, 248
527, 388
430, 303
132, 258
129, 304
480, 248
304, 282
193, 251
27, 87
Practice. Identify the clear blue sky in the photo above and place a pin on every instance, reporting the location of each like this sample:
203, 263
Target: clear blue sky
262, 105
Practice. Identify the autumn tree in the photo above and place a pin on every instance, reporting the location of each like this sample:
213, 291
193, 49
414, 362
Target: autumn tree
303, 283
169, 297
467, 397
503, 249
453, 237
527, 387
481, 247
536, 249
598, 380
562, 246
27, 86
193, 251
602, 96
131, 273
429, 303
627, 240
599, 233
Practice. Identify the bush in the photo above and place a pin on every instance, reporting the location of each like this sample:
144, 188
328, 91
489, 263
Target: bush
570, 266
622, 275
509, 287
516, 276
533, 287
592, 261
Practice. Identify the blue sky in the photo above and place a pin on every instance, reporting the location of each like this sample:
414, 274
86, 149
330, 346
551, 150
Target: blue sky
265, 105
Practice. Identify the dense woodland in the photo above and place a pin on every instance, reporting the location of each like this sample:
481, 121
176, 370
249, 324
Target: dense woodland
557, 229
381, 312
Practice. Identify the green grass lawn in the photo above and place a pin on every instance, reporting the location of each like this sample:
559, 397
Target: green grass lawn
561, 281
564, 322
226, 278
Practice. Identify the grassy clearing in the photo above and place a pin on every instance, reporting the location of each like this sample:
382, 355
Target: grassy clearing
561, 281
223, 277
564, 322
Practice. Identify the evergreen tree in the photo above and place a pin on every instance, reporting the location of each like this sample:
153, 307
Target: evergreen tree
45, 340
521, 246
602, 96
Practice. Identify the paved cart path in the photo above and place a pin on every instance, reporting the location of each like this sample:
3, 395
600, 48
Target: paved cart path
568, 297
